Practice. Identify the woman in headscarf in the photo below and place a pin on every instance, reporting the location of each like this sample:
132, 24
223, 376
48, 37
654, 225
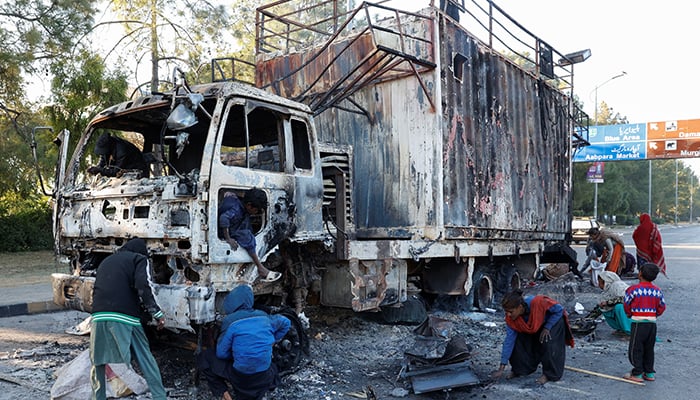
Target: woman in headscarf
612, 299
647, 239
613, 249
537, 332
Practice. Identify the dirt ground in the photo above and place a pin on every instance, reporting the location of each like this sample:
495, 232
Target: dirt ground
351, 355
27, 267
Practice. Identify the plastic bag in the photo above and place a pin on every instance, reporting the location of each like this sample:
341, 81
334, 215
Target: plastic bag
73, 380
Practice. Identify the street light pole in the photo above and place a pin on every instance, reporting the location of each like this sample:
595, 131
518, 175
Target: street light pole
595, 119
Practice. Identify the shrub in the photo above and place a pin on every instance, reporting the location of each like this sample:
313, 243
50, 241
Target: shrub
27, 226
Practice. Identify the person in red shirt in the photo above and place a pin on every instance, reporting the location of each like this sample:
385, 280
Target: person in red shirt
644, 303
537, 332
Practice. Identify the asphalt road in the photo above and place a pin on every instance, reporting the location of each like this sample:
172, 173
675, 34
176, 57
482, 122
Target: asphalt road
677, 355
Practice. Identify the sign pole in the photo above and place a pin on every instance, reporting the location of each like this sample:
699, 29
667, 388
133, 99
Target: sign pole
595, 202
650, 188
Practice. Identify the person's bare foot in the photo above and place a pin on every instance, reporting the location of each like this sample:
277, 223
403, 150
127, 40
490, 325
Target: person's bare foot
511, 375
262, 271
226, 396
542, 380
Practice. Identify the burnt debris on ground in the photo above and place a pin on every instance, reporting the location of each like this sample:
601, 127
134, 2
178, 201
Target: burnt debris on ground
350, 355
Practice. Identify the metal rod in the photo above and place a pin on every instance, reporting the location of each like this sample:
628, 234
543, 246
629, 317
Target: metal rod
602, 375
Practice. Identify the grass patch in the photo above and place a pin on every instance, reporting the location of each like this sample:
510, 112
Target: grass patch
28, 267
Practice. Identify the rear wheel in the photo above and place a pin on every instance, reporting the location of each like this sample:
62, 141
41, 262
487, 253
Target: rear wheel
483, 290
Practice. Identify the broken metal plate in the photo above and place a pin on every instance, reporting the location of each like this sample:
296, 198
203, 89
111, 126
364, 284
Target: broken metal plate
442, 377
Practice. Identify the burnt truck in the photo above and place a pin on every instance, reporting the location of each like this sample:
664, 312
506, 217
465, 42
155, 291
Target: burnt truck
400, 153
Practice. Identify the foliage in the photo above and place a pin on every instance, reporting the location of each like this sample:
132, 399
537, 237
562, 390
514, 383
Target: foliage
170, 33
17, 170
34, 34
606, 116
23, 225
625, 192
79, 91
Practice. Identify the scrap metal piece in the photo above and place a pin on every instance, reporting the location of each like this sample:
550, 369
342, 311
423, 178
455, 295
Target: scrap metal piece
442, 377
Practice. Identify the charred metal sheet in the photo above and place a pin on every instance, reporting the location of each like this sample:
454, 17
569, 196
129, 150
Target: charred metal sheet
437, 364
360, 52
506, 145
377, 282
492, 165
72, 292
444, 377
184, 305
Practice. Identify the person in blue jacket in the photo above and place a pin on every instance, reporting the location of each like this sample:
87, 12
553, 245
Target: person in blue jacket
243, 355
235, 226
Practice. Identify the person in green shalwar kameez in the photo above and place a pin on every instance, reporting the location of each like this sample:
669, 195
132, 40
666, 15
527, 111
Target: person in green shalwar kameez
611, 301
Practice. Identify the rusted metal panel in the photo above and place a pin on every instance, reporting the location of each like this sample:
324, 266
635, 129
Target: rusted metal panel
364, 50
394, 182
491, 165
506, 144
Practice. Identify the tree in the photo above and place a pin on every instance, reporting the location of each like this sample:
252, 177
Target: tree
169, 33
35, 34
606, 116
625, 192
79, 91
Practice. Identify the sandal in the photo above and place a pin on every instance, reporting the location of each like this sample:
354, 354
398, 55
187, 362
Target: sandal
272, 276
633, 378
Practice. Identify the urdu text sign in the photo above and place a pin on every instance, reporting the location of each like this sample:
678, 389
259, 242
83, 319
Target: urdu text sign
614, 143
651, 140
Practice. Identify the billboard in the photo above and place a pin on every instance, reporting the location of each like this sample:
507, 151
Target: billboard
650, 140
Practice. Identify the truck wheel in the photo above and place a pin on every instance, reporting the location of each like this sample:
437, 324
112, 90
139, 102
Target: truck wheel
508, 280
288, 352
483, 290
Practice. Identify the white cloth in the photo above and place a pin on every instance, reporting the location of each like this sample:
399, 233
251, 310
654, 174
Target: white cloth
613, 287
596, 269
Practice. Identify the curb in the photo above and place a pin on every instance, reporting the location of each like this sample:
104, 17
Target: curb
39, 307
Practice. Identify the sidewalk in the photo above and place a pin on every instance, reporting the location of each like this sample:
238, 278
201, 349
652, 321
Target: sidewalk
26, 299
26, 283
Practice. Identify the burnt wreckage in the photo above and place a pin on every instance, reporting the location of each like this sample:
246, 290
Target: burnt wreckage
400, 154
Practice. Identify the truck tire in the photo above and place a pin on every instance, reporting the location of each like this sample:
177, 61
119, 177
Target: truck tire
482, 292
507, 281
290, 350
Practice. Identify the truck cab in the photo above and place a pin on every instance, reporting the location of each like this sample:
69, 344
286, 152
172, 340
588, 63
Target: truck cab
199, 145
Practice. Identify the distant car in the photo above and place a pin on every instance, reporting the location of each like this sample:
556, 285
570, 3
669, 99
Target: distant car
580, 227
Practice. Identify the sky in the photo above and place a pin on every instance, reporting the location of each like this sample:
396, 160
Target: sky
652, 41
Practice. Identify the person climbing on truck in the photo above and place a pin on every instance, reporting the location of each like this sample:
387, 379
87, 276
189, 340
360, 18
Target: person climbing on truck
235, 227
116, 156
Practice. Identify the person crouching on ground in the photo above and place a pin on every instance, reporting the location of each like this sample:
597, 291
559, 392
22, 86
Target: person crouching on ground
243, 354
611, 304
644, 303
537, 331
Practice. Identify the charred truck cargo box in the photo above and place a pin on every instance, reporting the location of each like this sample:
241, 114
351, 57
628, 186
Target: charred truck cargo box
398, 154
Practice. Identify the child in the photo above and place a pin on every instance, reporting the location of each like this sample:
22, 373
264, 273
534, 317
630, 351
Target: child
644, 302
235, 226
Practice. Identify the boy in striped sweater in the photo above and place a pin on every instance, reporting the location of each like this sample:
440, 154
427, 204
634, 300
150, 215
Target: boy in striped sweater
644, 302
